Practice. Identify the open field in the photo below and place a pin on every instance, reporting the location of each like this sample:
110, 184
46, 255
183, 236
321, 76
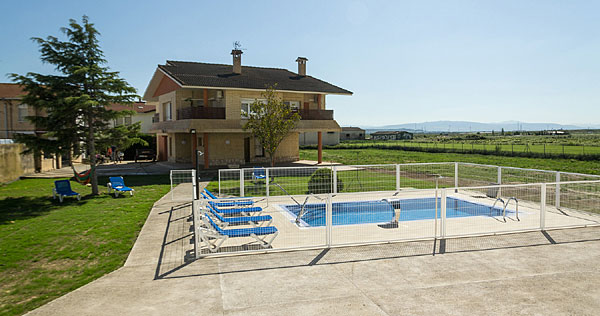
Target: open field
383, 156
584, 146
48, 249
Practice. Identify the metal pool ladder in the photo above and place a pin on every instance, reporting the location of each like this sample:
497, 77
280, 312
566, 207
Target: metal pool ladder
505, 205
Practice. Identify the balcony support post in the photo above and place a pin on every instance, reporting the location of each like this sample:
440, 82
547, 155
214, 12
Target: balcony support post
320, 146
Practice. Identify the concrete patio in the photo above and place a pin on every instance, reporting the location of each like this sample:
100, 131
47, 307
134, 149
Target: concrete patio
545, 273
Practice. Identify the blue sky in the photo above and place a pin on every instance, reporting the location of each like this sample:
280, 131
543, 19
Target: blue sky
487, 61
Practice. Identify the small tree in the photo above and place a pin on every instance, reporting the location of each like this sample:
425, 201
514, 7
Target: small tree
75, 99
271, 121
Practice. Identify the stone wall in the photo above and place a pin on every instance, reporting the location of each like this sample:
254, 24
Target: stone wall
13, 164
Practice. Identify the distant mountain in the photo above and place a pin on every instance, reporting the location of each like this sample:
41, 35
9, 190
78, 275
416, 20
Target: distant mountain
465, 126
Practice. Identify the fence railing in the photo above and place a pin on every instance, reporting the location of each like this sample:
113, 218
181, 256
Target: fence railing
183, 185
298, 221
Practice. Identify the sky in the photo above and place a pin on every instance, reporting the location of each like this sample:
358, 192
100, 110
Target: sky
405, 61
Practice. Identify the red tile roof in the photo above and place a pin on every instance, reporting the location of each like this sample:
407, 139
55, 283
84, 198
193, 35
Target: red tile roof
10, 91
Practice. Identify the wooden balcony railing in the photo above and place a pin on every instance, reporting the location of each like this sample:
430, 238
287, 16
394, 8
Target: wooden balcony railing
316, 114
201, 113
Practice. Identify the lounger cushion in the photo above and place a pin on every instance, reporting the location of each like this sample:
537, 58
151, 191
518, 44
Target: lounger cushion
243, 232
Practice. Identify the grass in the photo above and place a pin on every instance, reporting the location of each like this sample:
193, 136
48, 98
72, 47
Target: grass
384, 156
48, 249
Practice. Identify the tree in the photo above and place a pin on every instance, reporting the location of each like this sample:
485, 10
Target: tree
270, 121
75, 98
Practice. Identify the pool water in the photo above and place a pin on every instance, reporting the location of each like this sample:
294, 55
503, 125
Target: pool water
382, 211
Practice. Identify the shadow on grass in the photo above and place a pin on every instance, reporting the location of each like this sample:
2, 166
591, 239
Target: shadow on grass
21, 208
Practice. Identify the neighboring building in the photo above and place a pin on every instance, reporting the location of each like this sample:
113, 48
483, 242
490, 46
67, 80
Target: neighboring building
352, 133
13, 112
312, 138
13, 120
144, 112
201, 106
391, 135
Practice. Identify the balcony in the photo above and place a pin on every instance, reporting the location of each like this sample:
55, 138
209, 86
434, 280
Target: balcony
316, 114
156, 118
201, 113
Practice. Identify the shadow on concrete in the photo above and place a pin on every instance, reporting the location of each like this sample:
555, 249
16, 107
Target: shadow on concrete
332, 256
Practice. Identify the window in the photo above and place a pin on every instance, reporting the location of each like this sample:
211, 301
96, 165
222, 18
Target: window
167, 111
127, 120
118, 121
247, 106
259, 151
295, 105
23, 112
170, 145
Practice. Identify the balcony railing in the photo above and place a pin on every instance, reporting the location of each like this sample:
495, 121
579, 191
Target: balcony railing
156, 118
201, 113
316, 114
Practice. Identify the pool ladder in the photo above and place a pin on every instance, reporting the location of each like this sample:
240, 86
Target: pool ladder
505, 205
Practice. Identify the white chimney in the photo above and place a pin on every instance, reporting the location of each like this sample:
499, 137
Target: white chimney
301, 65
237, 61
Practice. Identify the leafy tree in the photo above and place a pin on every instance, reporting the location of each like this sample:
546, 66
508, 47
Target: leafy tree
271, 121
75, 98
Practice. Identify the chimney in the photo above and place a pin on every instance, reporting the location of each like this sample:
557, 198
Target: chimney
237, 61
301, 66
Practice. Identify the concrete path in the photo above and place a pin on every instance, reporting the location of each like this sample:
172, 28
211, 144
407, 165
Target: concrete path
551, 273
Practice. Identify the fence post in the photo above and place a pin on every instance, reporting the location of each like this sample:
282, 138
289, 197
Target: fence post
196, 223
557, 195
171, 177
543, 207
334, 179
397, 177
328, 220
242, 183
443, 214
267, 181
499, 180
456, 177
219, 182
195, 184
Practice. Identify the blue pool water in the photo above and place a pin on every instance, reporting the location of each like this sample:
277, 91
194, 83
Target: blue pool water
362, 212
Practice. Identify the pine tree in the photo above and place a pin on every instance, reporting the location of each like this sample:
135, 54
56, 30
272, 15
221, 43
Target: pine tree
75, 98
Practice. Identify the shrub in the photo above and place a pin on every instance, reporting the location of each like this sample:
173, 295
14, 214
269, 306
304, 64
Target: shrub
321, 182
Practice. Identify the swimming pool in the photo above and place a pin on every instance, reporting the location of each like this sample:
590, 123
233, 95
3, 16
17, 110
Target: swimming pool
382, 211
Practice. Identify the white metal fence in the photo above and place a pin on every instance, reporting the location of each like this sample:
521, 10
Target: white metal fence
316, 207
183, 185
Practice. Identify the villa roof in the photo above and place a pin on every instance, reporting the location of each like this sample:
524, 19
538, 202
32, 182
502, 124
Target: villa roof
196, 74
351, 128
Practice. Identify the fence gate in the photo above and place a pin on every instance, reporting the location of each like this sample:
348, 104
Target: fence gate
183, 185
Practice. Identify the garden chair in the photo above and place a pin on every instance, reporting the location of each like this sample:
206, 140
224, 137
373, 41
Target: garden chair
225, 203
117, 184
62, 188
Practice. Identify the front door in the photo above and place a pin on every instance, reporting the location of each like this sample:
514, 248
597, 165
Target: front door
247, 149
162, 148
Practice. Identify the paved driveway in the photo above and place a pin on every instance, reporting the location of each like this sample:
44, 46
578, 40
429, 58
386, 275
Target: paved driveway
553, 273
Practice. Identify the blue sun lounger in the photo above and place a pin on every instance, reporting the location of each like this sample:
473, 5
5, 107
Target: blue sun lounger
214, 236
117, 184
228, 203
62, 188
256, 221
245, 211
225, 203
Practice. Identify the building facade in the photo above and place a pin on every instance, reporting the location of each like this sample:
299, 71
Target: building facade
202, 107
144, 112
352, 133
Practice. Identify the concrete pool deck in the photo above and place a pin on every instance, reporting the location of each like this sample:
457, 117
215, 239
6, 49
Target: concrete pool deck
548, 273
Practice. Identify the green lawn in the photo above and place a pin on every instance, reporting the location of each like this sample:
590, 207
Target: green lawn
48, 249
